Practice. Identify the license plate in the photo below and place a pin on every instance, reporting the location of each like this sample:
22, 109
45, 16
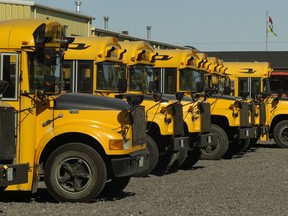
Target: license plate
141, 162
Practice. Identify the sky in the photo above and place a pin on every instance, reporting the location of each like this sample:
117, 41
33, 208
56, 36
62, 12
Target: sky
210, 25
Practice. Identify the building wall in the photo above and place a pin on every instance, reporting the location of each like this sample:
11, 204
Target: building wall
77, 25
14, 11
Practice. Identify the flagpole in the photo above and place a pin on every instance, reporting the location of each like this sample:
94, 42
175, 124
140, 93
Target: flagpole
266, 31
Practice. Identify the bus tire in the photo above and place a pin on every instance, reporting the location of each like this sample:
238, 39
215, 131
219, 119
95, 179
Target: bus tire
281, 134
153, 157
216, 152
75, 172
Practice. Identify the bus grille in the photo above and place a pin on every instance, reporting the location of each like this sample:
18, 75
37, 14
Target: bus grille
205, 112
244, 117
262, 113
178, 119
253, 112
7, 133
138, 126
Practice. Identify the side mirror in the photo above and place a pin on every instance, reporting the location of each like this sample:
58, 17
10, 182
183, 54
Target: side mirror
209, 92
40, 95
157, 96
122, 85
179, 96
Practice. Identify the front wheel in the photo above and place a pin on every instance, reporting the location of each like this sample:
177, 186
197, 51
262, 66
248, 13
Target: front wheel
75, 172
281, 134
212, 152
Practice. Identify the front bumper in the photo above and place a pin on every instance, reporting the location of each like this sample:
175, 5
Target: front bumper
180, 143
179, 148
12, 174
247, 132
130, 165
263, 130
206, 139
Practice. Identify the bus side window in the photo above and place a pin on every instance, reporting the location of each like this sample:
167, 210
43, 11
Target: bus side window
9, 65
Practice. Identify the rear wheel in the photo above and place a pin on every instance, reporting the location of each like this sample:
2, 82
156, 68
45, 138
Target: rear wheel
75, 172
281, 134
213, 152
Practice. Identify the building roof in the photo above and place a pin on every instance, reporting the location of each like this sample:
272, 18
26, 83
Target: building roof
33, 4
122, 37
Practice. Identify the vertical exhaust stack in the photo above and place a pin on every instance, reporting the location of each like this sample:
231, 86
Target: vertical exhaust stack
78, 4
106, 19
148, 32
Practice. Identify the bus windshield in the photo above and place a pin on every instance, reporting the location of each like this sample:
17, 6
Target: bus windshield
191, 80
140, 77
224, 85
109, 75
44, 71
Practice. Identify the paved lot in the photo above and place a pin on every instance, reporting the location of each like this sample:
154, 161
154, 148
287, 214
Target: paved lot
255, 183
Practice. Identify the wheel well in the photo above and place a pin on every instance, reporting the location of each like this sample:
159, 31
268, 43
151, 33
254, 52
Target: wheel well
69, 138
162, 141
153, 129
276, 120
222, 122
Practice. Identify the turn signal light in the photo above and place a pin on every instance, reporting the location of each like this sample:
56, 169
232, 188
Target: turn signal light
116, 144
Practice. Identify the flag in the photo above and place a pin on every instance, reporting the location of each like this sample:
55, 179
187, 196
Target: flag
271, 27
270, 21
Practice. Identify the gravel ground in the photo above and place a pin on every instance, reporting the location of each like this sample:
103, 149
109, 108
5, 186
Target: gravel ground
255, 183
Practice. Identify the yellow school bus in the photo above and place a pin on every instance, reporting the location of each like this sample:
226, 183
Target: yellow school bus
122, 69
165, 124
180, 71
229, 122
247, 79
253, 77
82, 145
239, 118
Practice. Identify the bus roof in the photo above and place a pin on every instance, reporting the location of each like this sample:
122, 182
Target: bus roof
93, 48
17, 33
248, 69
138, 52
176, 58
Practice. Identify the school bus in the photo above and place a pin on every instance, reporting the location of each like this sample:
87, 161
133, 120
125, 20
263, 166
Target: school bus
247, 130
180, 70
247, 79
115, 70
229, 115
253, 77
165, 124
82, 145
